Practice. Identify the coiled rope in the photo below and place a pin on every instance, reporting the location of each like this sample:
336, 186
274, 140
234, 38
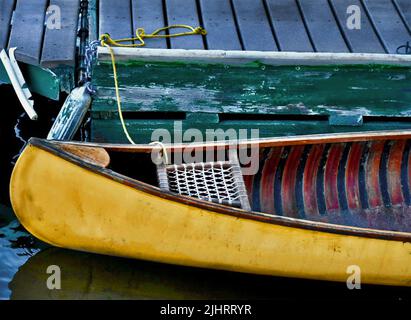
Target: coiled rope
108, 42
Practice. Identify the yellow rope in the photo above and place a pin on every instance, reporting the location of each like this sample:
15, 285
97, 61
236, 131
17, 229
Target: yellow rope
120, 112
141, 35
163, 150
107, 41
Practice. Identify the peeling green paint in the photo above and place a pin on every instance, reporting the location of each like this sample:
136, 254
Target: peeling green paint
256, 89
278, 100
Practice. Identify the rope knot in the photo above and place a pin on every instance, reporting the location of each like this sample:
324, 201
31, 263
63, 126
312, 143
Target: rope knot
140, 32
105, 38
200, 30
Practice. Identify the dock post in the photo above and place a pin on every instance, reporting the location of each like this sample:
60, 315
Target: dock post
71, 115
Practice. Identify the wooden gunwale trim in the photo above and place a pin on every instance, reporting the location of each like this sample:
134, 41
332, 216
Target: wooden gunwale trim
53, 148
260, 143
242, 57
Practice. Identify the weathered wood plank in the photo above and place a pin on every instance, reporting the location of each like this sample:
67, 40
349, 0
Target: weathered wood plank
404, 7
184, 12
27, 30
388, 23
272, 58
110, 131
289, 26
6, 11
148, 14
59, 46
219, 21
322, 26
256, 89
115, 18
254, 25
359, 40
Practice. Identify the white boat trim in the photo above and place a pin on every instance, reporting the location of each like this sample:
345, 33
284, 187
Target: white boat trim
243, 57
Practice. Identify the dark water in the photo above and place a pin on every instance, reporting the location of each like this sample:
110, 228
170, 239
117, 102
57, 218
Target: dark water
24, 260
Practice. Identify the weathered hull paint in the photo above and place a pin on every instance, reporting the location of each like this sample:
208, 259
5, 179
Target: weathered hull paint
275, 99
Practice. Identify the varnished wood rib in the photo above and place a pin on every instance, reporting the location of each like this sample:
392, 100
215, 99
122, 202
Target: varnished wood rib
355, 184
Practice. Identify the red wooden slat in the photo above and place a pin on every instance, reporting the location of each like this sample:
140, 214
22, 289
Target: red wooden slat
394, 172
267, 180
352, 174
248, 182
289, 180
331, 177
373, 175
310, 180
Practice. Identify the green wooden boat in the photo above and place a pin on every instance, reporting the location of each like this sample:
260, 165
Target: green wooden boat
276, 93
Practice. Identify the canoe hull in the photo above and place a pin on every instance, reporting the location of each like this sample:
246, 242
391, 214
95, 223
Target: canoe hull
69, 206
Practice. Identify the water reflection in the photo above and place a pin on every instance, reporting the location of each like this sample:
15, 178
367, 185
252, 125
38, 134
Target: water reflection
16, 245
90, 276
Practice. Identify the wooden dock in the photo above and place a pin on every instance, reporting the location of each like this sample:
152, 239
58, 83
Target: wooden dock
265, 25
262, 25
37, 43
25, 25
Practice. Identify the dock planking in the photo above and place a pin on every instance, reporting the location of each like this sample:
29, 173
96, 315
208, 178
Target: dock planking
262, 25
148, 14
6, 12
388, 23
254, 26
184, 12
322, 26
59, 46
359, 40
267, 25
115, 18
28, 29
404, 8
289, 26
219, 21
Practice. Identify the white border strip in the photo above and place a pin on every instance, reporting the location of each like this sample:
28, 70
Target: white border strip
243, 57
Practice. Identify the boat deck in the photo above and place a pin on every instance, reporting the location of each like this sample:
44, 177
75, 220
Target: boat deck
265, 25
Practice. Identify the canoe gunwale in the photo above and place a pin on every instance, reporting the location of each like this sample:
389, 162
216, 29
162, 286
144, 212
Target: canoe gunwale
255, 143
52, 147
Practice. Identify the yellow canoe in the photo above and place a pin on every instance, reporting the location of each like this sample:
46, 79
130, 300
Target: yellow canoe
69, 195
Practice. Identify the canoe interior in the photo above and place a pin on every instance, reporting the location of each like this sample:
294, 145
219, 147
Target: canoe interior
360, 184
